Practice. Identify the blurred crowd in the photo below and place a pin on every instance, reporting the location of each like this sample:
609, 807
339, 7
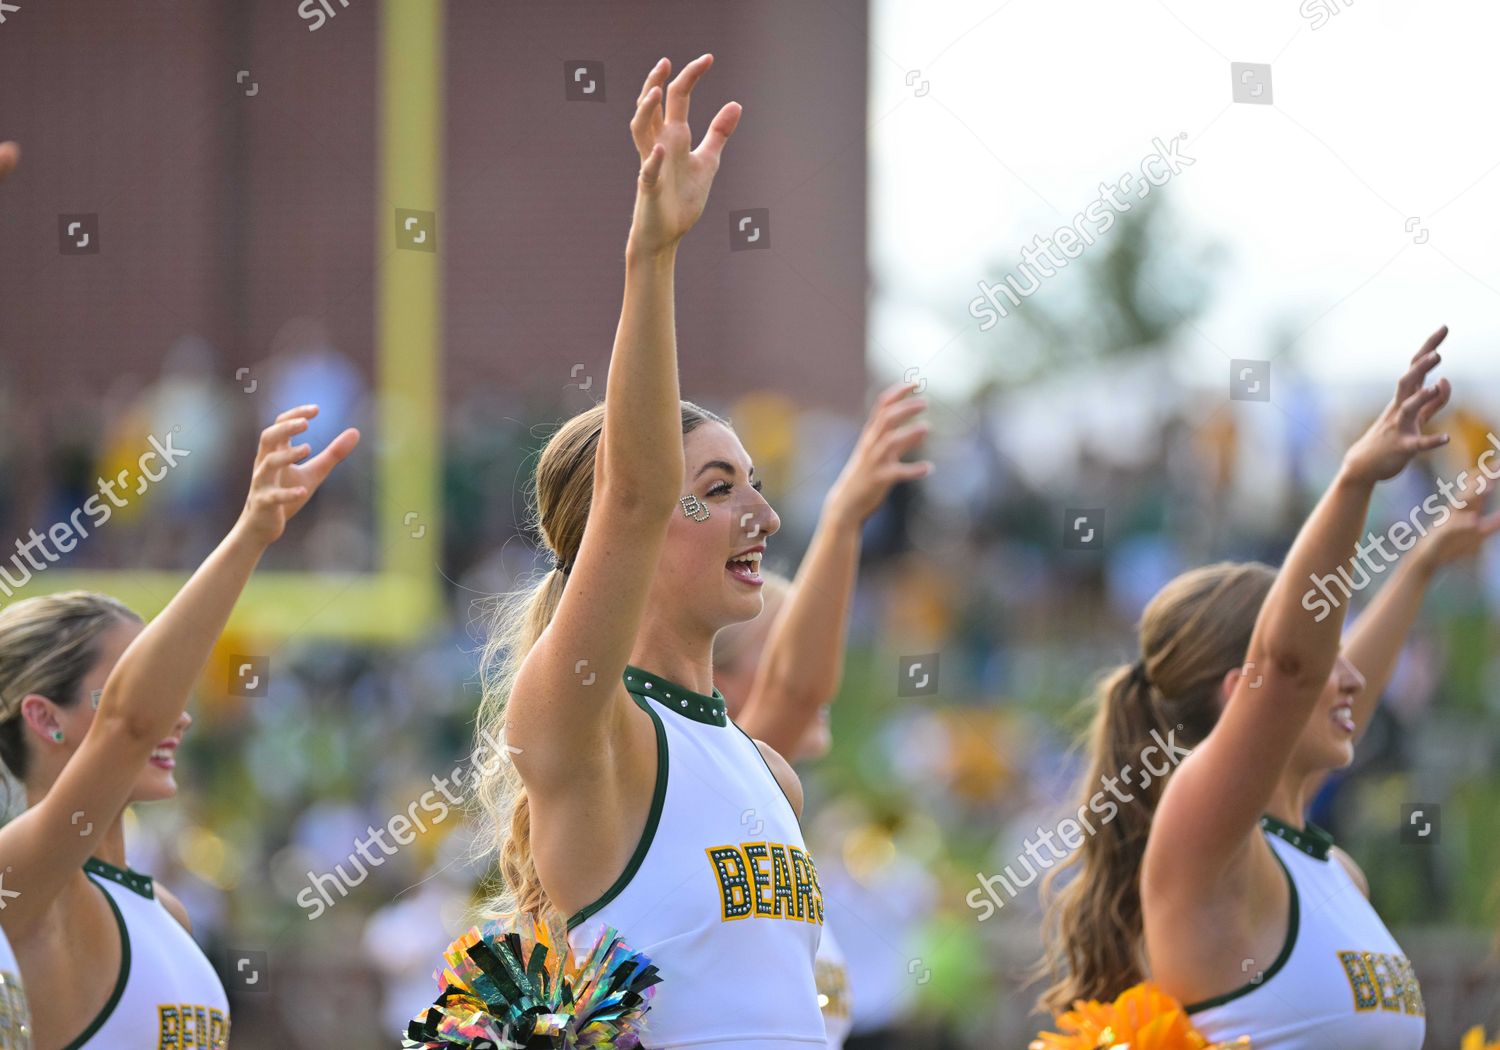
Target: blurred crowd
920, 795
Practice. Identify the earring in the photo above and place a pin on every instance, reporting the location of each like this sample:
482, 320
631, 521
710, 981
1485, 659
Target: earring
57, 736
694, 508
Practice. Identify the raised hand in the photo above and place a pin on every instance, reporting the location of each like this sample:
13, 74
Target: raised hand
280, 486
1396, 436
876, 466
674, 179
1465, 529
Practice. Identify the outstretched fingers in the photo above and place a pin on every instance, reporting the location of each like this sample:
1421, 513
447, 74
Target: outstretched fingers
1411, 381
274, 460
679, 92
315, 470
723, 125
1411, 408
1443, 391
1432, 343
651, 167
280, 432
655, 79
645, 126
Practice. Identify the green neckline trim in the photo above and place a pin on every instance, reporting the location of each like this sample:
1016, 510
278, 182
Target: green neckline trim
653, 818
1312, 840
114, 997
1293, 921
710, 710
131, 880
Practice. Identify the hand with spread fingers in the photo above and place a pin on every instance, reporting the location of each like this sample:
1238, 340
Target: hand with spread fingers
1396, 436
875, 466
1465, 529
281, 485
674, 178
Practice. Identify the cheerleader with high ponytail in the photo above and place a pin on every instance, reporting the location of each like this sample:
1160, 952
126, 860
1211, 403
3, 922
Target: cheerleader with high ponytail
1203, 875
630, 801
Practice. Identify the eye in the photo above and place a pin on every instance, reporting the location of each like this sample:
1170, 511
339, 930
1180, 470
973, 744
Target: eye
721, 487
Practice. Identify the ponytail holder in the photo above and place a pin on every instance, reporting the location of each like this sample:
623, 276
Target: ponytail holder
563, 566
1138, 674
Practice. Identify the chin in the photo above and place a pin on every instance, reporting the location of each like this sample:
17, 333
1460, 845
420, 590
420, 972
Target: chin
742, 607
816, 748
1340, 756
156, 786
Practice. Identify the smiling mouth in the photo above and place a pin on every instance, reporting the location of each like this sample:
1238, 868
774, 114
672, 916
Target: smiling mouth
164, 757
1343, 717
745, 568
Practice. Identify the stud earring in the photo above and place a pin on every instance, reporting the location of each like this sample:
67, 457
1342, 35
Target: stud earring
694, 508
57, 736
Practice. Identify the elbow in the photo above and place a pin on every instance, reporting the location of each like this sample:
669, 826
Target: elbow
133, 730
1294, 666
647, 499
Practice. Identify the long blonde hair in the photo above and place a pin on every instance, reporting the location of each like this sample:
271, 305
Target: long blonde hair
47, 645
1195, 630
559, 510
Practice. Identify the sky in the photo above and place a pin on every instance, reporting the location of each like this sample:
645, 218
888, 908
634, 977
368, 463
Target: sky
991, 122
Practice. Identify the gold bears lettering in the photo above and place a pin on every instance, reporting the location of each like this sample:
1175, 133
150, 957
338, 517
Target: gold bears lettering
1383, 982
767, 880
191, 1026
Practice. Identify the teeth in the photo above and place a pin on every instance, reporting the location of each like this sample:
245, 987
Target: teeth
752, 559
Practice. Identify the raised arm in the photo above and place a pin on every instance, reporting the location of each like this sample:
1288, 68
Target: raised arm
803, 661
639, 460
1216, 797
149, 687
1375, 641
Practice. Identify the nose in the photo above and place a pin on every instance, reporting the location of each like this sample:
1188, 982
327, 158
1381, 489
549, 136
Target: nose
754, 520
1347, 676
183, 721
769, 521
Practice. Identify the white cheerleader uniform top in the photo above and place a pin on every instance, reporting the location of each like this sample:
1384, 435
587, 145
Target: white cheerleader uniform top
15, 1018
167, 995
720, 893
1340, 981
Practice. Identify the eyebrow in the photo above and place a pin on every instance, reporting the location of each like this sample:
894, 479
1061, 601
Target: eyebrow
722, 465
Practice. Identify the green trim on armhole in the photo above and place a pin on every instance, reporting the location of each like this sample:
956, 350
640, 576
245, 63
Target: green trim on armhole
114, 996
774, 779
1292, 922
653, 818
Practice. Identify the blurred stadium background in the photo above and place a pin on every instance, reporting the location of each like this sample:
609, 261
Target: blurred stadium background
250, 169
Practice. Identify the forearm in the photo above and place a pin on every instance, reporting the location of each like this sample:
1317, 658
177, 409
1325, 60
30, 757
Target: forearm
803, 662
1235, 771
149, 687
1375, 641
642, 442
1297, 634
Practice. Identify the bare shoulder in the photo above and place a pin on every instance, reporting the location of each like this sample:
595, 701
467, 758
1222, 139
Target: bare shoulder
782, 770
170, 902
1352, 868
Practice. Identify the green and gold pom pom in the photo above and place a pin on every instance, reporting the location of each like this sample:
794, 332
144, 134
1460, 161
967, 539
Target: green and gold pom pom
506, 987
